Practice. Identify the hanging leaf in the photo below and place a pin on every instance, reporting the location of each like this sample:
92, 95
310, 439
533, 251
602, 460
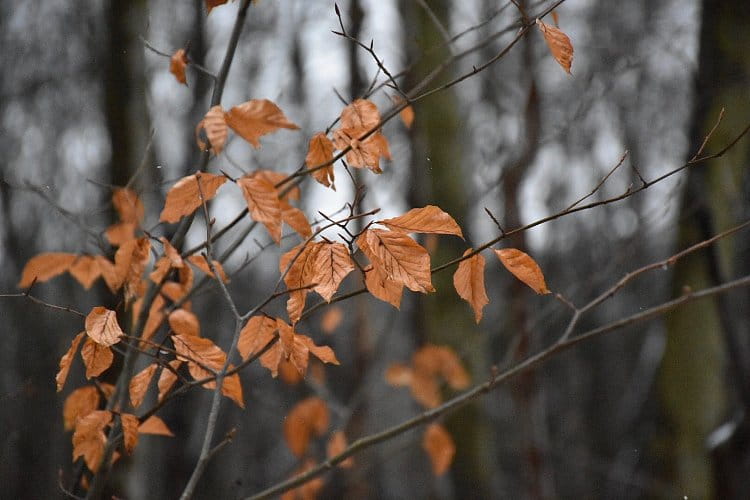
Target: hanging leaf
177, 64
255, 118
184, 323
433, 360
201, 263
128, 205
214, 126
296, 349
406, 114
276, 178
129, 431
333, 264
524, 268
109, 273
357, 119
255, 335
80, 402
301, 263
320, 151
184, 197
263, 203
429, 219
383, 288
139, 384
558, 43
96, 357
307, 418
360, 114
154, 425
167, 378
85, 270
89, 438
45, 266
102, 326
66, 360
171, 253
295, 218
469, 283
399, 258
130, 263
439, 447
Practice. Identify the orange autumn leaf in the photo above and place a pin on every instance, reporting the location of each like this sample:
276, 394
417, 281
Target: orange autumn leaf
255, 335
255, 118
296, 349
161, 268
167, 378
130, 262
210, 4
109, 273
439, 447
96, 357
398, 257
336, 445
155, 316
139, 384
201, 263
263, 203
45, 266
85, 270
214, 125
307, 418
171, 253
307, 491
296, 219
184, 323
360, 114
559, 44
128, 205
357, 119
524, 268
66, 360
429, 219
102, 326
276, 178
184, 197
298, 266
129, 431
399, 375
120, 233
320, 151
203, 355
435, 360
154, 425
89, 438
406, 114
383, 288
331, 319
79, 403
333, 264
177, 64
468, 281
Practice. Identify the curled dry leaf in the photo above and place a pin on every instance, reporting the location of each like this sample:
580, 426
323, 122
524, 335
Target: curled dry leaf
336, 445
79, 403
184, 323
558, 43
130, 263
177, 64
439, 447
263, 203
139, 384
524, 268
429, 219
468, 281
307, 418
154, 425
184, 197
320, 151
257, 117
357, 119
66, 360
85, 270
129, 431
96, 357
398, 257
102, 326
45, 266
215, 127
294, 348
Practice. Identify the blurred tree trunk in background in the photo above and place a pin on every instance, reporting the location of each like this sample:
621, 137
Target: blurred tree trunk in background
706, 362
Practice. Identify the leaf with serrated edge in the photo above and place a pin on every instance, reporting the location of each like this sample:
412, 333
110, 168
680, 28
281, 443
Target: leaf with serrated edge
102, 326
523, 267
96, 357
559, 44
301, 261
468, 281
139, 384
263, 203
439, 447
45, 266
381, 287
257, 117
429, 219
320, 151
184, 197
399, 257
333, 264
66, 360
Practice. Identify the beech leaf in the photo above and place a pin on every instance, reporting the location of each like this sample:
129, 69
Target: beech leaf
559, 44
128, 205
215, 126
255, 118
255, 335
383, 288
139, 384
167, 378
307, 418
129, 431
154, 425
45, 266
102, 326
85, 270
429, 219
301, 263
66, 360
469, 283
263, 203
184, 197
96, 357
177, 64
296, 219
524, 268
89, 438
398, 257
439, 447
320, 151
184, 323
79, 403
333, 264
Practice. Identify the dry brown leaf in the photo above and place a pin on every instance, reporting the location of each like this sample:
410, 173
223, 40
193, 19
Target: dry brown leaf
66, 360
558, 43
184, 197
130, 263
255, 335
201, 352
79, 403
161, 268
322, 352
120, 233
255, 118
171, 253
96, 357
307, 418
331, 319
309, 490
154, 425
155, 316
201, 263
383, 288
406, 114
425, 390
399, 258
263, 203
184, 322
215, 127
177, 64
439, 447
320, 151
336, 445
139, 384
276, 178
167, 378
524, 268
296, 219
468, 281
296, 349
333, 264
89, 438
109, 273
129, 431
85, 270
128, 205
210, 4
429, 219
288, 373
301, 261
555, 18
364, 153
45, 266
102, 326
360, 114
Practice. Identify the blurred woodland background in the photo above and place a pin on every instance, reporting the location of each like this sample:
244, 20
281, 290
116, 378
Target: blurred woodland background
656, 410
